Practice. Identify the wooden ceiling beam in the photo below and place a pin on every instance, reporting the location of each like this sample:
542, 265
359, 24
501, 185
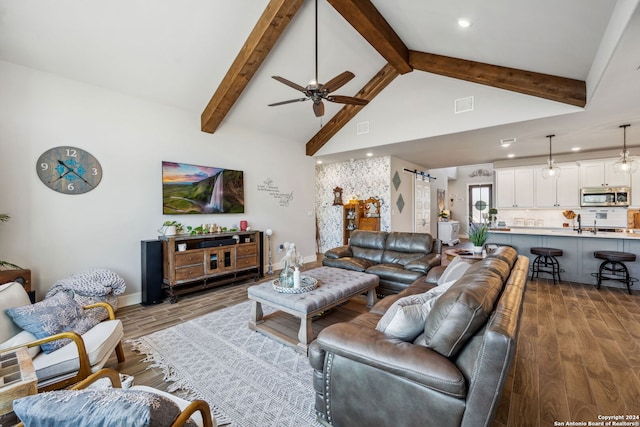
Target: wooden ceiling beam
275, 18
337, 122
560, 89
367, 20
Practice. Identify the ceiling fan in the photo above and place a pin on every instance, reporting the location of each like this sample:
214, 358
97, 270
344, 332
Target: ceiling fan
316, 91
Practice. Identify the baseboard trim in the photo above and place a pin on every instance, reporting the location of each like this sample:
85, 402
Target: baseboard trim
130, 299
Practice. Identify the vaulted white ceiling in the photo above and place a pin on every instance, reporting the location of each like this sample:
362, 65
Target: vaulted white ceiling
176, 53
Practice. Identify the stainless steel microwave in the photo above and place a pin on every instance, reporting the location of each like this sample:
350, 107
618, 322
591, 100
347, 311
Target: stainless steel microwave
605, 196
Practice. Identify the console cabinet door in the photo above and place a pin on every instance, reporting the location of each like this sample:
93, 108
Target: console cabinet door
220, 260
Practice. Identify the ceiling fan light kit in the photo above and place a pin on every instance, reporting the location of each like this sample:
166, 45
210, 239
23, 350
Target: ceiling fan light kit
626, 164
550, 171
316, 91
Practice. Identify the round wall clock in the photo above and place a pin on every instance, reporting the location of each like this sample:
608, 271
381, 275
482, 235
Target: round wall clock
69, 170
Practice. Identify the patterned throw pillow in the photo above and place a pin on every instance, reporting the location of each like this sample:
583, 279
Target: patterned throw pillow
97, 407
60, 313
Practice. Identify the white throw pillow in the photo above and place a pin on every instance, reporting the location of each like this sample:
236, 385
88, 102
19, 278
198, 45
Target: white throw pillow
434, 293
454, 270
405, 318
23, 337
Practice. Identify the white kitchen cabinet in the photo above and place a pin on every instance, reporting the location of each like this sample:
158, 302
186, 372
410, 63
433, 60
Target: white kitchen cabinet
600, 173
635, 189
448, 232
514, 188
562, 192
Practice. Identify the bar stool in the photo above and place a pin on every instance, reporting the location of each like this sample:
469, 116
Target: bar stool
614, 268
546, 262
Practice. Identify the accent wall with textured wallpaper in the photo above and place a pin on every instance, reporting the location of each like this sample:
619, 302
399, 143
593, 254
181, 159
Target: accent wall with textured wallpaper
359, 179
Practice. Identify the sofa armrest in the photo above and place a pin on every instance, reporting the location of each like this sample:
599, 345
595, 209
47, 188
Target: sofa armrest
425, 263
434, 274
403, 359
339, 252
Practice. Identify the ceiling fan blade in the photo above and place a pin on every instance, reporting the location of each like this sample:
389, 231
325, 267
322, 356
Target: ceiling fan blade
288, 83
287, 102
347, 100
338, 81
318, 108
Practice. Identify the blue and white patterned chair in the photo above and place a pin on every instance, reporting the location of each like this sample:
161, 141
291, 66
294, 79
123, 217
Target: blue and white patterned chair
58, 364
138, 406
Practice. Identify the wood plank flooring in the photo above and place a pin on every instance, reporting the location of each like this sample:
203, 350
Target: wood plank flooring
578, 353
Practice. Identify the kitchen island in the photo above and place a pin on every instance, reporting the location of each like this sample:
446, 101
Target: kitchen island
577, 260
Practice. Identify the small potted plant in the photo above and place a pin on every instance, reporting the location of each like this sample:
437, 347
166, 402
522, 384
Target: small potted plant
171, 228
478, 234
5, 265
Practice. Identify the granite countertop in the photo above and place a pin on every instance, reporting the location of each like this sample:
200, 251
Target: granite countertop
568, 232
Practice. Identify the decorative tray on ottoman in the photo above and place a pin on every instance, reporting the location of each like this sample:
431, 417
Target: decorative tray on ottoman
307, 284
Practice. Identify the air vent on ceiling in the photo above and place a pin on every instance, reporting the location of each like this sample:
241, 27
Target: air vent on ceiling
463, 105
505, 142
362, 128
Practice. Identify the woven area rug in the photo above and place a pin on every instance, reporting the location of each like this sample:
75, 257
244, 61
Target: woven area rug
247, 378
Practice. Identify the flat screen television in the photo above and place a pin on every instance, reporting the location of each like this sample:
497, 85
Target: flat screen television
192, 189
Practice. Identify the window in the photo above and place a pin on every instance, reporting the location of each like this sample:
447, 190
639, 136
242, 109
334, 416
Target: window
480, 201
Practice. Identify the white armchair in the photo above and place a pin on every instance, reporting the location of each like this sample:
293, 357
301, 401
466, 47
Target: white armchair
71, 363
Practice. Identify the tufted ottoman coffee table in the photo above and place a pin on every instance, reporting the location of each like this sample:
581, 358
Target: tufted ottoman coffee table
335, 286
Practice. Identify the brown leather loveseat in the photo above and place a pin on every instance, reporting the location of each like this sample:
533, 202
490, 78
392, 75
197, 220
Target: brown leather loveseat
452, 374
397, 258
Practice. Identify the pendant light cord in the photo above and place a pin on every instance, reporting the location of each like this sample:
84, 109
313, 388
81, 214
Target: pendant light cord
624, 140
550, 159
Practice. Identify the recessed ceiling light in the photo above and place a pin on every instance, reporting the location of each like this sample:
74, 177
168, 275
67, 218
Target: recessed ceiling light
369, 154
464, 22
319, 162
511, 155
575, 149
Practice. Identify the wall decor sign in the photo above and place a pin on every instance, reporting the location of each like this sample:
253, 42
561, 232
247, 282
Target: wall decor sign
192, 189
274, 191
480, 172
69, 170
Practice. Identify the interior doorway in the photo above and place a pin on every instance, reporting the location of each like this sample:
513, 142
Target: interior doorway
422, 208
480, 201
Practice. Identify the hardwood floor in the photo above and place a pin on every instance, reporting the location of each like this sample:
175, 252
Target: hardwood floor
578, 353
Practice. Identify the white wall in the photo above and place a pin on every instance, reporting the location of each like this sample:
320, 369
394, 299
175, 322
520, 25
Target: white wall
56, 235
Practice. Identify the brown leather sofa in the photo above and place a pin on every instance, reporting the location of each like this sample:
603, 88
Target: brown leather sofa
397, 258
451, 375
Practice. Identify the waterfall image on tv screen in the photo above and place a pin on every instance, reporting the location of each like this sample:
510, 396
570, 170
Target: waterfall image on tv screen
191, 189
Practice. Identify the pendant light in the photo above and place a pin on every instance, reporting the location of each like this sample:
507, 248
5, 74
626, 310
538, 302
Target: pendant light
625, 164
550, 171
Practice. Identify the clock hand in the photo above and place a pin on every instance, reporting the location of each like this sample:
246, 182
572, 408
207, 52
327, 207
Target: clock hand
61, 176
75, 173
85, 181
